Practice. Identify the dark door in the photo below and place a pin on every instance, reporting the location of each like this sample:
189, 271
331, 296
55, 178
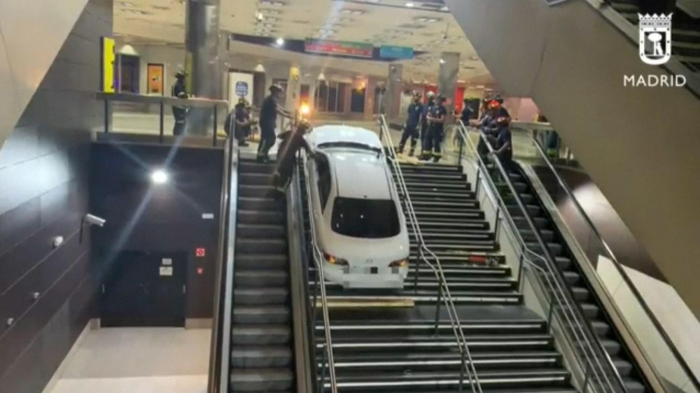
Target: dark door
145, 289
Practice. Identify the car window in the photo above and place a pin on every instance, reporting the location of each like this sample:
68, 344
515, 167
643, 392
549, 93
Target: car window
324, 179
365, 218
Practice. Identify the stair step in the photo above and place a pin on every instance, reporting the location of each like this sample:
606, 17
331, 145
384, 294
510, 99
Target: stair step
445, 361
261, 334
261, 296
262, 380
442, 195
260, 231
255, 167
261, 217
262, 261
261, 278
251, 191
396, 328
255, 179
260, 314
258, 203
448, 215
261, 246
445, 187
267, 356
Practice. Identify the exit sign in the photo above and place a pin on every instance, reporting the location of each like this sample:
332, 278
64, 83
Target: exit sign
201, 252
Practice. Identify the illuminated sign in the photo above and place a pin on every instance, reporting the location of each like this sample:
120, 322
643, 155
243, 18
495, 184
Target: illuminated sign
344, 48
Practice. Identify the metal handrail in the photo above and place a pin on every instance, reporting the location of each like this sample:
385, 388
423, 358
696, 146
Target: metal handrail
439, 273
657, 324
321, 285
585, 330
220, 353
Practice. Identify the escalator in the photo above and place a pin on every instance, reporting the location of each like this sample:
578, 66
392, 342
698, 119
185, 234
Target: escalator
261, 351
572, 57
571, 270
630, 347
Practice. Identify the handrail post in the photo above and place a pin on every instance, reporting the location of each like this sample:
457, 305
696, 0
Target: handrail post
497, 224
106, 116
216, 112
162, 121
461, 149
437, 308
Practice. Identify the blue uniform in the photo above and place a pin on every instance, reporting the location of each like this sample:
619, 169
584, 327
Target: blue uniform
424, 121
432, 144
415, 111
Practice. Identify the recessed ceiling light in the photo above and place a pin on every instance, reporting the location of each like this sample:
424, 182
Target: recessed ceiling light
259, 16
272, 3
410, 5
444, 9
442, 61
270, 11
279, 41
352, 12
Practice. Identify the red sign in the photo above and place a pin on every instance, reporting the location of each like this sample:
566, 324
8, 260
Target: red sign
356, 49
201, 252
200, 271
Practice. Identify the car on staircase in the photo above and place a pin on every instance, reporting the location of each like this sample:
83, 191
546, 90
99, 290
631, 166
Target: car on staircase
359, 222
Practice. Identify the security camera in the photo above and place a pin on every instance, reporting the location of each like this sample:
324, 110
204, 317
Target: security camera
94, 220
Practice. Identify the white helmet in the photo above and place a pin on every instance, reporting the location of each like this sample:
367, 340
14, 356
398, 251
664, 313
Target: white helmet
430, 95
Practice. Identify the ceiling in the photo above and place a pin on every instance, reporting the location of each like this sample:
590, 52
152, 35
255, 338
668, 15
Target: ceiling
426, 26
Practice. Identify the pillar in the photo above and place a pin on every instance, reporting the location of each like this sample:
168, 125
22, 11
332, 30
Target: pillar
394, 87
293, 89
202, 60
447, 79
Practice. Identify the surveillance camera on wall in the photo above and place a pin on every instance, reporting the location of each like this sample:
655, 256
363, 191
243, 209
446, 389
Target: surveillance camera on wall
94, 220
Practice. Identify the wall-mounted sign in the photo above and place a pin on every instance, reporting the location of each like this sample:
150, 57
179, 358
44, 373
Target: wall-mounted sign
345, 48
200, 252
156, 79
395, 52
108, 59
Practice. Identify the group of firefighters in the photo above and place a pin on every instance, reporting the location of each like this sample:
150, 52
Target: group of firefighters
426, 123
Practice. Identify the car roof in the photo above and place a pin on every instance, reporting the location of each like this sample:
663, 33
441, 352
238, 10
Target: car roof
359, 174
342, 133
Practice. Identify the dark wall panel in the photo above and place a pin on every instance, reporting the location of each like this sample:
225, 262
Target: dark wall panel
44, 168
142, 216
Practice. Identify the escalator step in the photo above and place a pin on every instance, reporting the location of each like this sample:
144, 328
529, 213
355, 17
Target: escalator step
261, 218
261, 334
262, 380
262, 261
261, 296
267, 356
260, 314
261, 246
261, 278
260, 231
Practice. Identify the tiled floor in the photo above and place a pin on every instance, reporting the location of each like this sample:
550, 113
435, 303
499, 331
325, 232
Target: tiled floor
137, 360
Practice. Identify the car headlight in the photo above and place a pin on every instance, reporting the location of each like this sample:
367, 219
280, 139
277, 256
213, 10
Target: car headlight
333, 260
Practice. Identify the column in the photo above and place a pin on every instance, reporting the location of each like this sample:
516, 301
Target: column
202, 60
447, 79
394, 87
293, 89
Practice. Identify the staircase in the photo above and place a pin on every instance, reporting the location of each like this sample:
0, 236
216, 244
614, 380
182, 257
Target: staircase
686, 32
577, 282
261, 355
399, 349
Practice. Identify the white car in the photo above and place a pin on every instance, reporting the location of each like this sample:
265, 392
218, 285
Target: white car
360, 226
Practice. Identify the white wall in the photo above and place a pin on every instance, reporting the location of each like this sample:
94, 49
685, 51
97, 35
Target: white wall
640, 145
171, 57
677, 319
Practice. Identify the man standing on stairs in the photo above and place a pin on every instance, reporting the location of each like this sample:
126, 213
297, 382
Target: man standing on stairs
432, 145
410, 129
268, 120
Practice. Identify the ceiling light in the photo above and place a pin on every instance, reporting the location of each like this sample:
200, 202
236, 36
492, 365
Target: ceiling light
273, 3
270, 11
159, 176
259, 68
321, 77
445, 9
259, 16
410, 5
279, 41
352, 12
442, 61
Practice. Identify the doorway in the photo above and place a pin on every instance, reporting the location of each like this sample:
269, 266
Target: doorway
144, 289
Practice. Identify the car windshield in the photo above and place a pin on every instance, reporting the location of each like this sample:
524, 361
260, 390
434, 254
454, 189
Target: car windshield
365, 218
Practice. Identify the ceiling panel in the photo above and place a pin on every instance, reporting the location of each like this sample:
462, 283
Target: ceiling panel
425, 26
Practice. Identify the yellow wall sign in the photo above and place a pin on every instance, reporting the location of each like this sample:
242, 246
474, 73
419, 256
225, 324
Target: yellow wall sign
108, 62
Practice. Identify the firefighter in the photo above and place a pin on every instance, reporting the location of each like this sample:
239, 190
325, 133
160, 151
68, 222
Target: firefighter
432, 145
424, 118
268, 120
179, 90
410, 129
237, 121
502, 142
292, 141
